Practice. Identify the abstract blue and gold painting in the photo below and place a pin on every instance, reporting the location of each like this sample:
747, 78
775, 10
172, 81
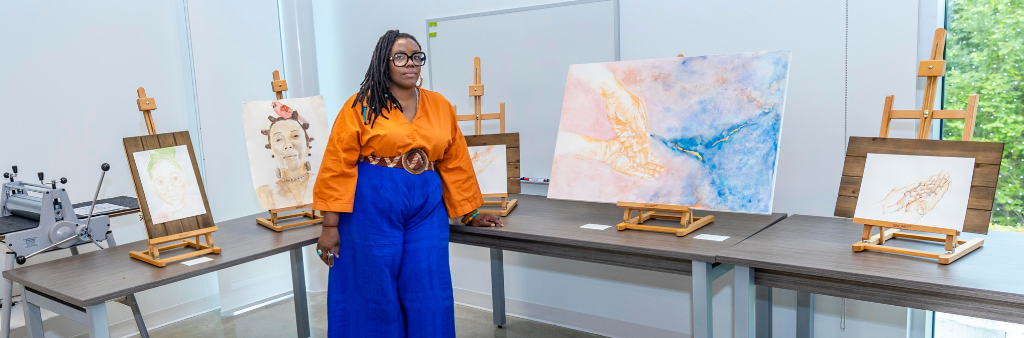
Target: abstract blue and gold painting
697, 131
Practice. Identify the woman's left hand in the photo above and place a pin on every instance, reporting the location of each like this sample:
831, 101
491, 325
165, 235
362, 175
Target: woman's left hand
486, 220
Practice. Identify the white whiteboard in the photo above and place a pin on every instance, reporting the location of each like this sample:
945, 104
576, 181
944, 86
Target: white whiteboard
525, 56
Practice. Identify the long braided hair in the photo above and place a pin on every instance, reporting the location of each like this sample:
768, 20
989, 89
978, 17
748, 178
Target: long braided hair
375, 92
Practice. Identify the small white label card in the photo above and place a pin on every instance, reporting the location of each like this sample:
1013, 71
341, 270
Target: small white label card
596, 226
715, 238
100, 208
197, 261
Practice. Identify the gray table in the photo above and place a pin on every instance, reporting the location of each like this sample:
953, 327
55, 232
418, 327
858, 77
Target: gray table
549, 227
9, 224
79, 287
813, 255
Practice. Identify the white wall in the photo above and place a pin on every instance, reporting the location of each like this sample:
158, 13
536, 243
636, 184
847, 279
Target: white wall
237, 45
588, 296
70, 72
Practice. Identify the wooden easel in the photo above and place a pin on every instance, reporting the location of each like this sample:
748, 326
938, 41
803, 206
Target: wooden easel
646, 211
279, 86
476, 90
146, 106
955, 248
931, 69
203, 224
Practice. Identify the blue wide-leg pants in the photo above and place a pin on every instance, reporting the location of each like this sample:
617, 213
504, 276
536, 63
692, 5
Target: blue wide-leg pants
392, 278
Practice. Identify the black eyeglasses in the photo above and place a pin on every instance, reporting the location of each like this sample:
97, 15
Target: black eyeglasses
402, 59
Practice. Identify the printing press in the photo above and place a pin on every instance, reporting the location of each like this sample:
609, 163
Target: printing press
38, 218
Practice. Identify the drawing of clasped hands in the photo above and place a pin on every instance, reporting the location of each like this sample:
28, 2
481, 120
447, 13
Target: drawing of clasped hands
630, 153
918, 198
482, 159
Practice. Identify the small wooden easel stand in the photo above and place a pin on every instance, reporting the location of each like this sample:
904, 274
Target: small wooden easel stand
203, 225
279, 86
477, 92
646, 211
955, 248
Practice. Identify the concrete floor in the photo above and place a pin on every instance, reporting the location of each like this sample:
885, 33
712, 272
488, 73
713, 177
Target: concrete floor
278, 320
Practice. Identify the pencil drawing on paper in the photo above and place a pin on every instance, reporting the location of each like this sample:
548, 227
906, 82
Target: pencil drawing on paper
696, 131
169, 183
281, 138
923, 190
489, 163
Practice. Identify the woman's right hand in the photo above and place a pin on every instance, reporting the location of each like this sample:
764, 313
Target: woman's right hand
329, 241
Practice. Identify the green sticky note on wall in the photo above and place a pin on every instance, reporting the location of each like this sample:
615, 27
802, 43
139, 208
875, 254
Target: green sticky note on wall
433, 34
432, 24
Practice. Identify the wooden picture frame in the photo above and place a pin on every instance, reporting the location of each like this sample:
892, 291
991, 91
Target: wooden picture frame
511, 142
987, 160
186, 231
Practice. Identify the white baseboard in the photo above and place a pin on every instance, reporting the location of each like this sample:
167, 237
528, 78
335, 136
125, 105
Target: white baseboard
255, 305
565, 318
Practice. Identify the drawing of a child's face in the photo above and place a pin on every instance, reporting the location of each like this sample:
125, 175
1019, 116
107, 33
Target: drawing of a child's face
288, 142
168, 181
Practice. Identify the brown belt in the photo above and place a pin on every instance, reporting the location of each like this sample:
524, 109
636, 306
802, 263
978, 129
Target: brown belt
414, 161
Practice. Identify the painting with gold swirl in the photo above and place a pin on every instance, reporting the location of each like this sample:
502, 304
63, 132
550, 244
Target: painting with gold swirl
697, 131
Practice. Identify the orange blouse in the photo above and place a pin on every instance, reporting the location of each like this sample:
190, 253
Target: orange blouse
434, 129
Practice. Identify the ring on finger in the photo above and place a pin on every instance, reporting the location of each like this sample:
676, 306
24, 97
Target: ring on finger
319, 253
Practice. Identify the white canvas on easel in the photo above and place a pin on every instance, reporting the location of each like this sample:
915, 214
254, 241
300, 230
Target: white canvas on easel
921, 190
490, 165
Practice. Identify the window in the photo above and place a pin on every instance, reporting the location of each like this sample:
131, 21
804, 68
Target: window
984, 57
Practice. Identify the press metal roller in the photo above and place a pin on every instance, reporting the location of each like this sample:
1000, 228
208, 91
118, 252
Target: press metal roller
40, 217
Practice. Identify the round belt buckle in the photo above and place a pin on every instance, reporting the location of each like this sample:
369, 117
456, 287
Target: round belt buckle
415, 161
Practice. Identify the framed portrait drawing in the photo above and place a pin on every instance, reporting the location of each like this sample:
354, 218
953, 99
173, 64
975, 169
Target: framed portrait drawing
171, 196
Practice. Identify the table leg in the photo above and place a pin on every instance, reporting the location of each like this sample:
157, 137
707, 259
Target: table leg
134, 305
96, 321
110, 239
763, 315
703, 327
299, 293
130, 299
8, 295
804, 315
919, 323
498, 286
743, 302
33, 320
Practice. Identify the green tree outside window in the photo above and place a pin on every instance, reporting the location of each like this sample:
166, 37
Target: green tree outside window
984, 57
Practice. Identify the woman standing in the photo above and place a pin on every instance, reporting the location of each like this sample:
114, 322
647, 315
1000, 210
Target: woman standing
395, 169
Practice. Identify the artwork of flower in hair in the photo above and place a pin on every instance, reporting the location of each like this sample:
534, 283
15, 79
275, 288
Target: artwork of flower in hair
697, 131
285, 140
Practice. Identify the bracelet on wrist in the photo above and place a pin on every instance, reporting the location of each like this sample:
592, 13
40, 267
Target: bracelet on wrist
469, 217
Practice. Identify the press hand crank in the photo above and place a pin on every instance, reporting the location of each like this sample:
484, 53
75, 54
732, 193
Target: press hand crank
84, 233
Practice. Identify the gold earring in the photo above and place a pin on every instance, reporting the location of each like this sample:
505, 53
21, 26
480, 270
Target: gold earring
420, 83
